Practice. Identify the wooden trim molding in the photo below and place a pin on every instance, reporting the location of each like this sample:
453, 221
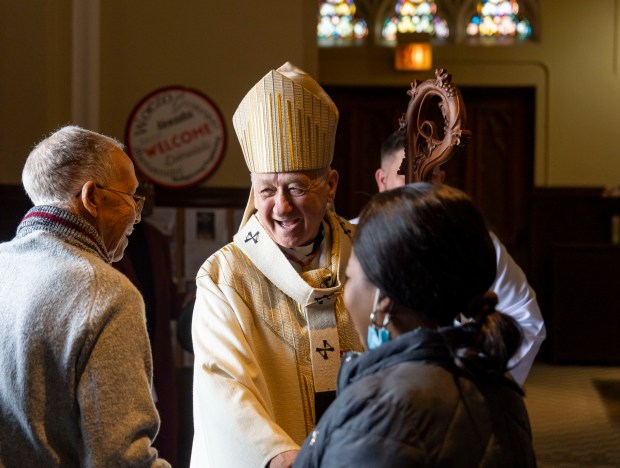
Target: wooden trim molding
209, 197
16, 203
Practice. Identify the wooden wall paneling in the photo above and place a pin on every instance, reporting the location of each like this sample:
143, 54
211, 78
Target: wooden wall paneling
495, 168
367, 117
585, 322
562, 216
15, 203
208, 197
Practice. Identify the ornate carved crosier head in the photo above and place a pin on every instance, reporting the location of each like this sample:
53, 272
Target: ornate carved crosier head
434, 124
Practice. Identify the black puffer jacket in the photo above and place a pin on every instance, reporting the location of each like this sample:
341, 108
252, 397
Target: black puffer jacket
407, 404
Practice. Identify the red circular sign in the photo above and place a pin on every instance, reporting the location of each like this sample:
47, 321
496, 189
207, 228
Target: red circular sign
176, 136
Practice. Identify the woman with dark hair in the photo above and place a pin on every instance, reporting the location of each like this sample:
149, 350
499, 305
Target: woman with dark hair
432, 390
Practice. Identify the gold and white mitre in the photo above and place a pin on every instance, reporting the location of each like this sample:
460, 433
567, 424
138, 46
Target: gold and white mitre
286, 123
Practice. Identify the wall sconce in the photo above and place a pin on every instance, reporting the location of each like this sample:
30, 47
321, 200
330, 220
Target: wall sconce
413, 52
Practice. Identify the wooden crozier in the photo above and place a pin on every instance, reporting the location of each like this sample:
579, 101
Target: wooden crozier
434, 124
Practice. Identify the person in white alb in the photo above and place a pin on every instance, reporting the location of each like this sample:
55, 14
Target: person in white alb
269, 324
516, 298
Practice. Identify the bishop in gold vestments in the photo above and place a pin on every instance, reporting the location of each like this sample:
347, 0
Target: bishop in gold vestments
269, 323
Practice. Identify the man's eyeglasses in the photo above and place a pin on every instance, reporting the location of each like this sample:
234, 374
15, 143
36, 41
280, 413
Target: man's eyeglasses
137, 199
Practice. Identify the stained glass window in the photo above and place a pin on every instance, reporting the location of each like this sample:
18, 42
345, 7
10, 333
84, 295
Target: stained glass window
338, 22
499, 18
415, 16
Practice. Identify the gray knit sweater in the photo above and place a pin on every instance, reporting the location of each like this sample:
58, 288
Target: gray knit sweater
75, 363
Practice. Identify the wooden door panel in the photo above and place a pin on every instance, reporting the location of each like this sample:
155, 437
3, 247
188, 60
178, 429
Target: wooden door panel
495, 167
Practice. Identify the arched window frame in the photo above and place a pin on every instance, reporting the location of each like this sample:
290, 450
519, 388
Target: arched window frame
344, 41
528, 9
387, 9
457, 13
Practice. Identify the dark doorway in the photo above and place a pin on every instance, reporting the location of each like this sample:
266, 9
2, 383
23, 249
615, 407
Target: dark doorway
495, 168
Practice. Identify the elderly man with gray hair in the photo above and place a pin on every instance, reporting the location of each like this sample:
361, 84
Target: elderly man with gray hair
269, 323
75, 361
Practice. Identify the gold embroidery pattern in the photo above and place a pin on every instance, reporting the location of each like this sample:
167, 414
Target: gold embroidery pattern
286, 318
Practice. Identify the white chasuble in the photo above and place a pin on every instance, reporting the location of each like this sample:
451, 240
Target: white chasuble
266, 338
312, 290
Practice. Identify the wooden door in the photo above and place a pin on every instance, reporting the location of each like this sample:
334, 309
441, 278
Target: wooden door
495, 167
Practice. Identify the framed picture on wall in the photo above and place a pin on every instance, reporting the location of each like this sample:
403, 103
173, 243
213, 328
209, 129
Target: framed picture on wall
206, 230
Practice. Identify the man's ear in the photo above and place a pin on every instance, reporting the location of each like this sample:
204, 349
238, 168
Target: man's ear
89, 198
332, 183
380, 179
438, 176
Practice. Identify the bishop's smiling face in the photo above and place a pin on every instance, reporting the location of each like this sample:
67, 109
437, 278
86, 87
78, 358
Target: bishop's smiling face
291, 205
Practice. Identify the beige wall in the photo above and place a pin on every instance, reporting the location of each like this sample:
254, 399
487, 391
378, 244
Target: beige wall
575, 70
35, 72
215, 48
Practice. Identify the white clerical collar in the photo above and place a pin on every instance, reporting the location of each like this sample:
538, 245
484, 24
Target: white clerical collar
306, 257
299, 253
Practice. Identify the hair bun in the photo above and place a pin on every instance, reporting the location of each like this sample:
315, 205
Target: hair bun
481, 306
